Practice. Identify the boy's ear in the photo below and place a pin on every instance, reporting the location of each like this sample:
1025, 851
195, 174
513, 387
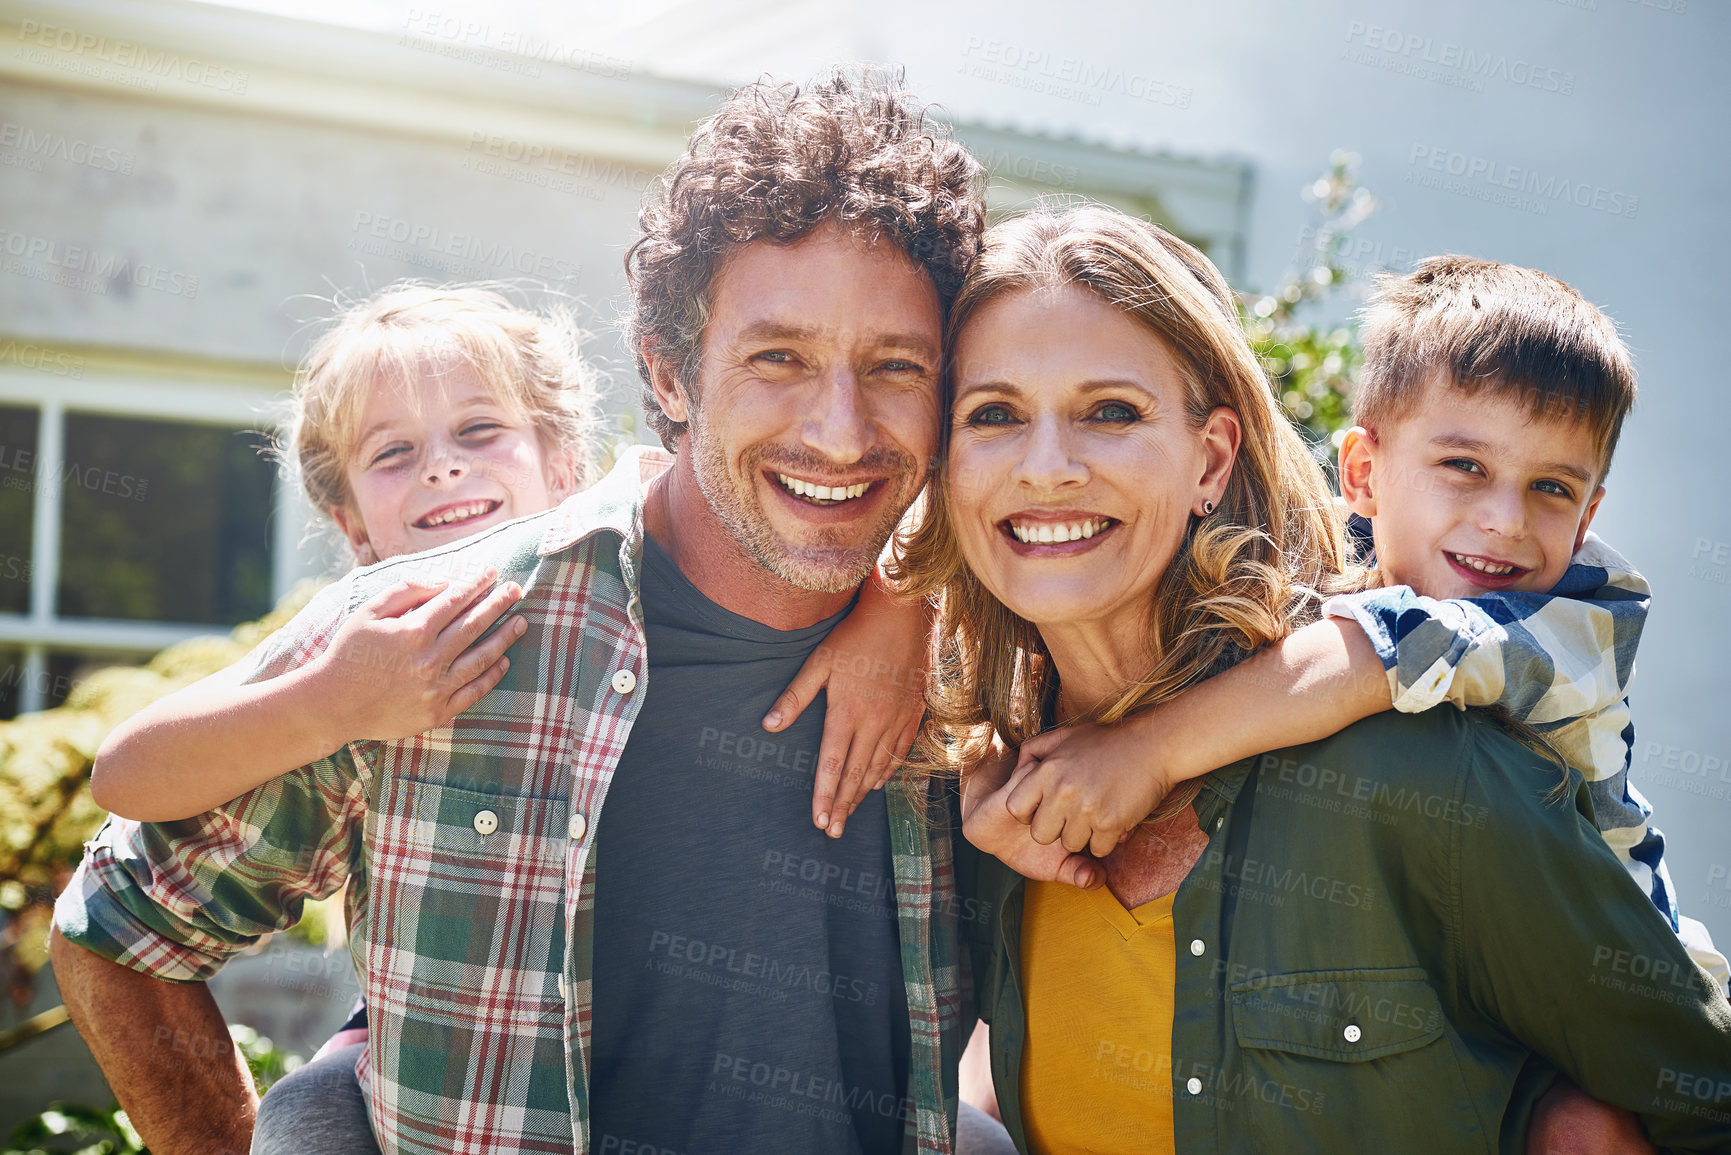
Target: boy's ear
350, 523
1587, 519
1357, 456
668, 394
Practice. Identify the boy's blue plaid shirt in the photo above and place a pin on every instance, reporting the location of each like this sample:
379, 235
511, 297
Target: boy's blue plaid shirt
1560, 662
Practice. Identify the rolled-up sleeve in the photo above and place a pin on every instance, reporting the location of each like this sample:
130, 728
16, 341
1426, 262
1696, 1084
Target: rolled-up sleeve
1540, 658
178, 899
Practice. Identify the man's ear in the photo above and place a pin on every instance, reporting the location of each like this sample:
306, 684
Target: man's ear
1357, 461
350, 523
665, 383
1221, 436
1587, 519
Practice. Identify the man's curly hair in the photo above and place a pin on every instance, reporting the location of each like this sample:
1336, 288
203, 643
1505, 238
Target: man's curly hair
774, 162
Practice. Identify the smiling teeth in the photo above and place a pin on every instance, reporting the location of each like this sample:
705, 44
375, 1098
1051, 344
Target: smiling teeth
1044, 532
1488, 568
457, 513
828, 493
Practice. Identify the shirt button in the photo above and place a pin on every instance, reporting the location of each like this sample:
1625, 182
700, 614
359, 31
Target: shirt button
562, 994
577, 826
1197, 946
1219, 822
1194, 1086
486, 822
624, 682
1352, 1033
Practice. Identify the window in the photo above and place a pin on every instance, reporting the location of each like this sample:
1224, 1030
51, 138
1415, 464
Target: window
17, 457
163, 521
11, 680
134, 513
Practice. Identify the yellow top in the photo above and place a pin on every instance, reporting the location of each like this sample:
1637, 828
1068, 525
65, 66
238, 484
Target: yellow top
1098, 980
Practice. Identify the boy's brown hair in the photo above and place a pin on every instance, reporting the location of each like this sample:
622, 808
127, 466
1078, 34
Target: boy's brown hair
1483, 325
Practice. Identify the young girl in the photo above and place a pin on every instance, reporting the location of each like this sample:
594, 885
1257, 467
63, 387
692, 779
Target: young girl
423, 416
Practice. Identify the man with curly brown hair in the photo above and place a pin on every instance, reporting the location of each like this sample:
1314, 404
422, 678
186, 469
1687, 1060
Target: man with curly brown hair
789, 292
704, 970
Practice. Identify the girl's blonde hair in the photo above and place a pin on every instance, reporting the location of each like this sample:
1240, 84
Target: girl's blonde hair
1243, 574
529, 360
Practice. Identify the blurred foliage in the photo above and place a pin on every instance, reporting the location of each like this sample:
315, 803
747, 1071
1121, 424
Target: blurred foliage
46, 812
1313, 366
267, 1061
73, 1129
67, 1127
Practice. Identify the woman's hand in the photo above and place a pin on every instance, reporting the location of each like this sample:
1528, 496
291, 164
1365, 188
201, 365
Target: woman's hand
407, 660
874, 666
1087, 787
989, 825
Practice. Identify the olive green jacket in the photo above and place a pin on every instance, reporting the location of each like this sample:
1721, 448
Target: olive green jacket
1392, 943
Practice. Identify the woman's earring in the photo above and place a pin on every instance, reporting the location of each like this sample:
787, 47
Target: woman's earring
1207, 508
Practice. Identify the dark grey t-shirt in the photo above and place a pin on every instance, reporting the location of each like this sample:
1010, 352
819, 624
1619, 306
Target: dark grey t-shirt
748, 983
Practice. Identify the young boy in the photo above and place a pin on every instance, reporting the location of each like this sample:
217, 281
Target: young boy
1488, 409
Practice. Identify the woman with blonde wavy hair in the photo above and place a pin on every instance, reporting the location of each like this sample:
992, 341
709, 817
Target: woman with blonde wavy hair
1235, 565
1203, 524
1121, 512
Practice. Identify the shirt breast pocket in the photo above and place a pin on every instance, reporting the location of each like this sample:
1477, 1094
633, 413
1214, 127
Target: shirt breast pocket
1356, 1052
468, 906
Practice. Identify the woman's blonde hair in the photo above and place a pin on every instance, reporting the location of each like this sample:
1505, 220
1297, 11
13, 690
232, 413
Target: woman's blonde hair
1242, 575
530, 361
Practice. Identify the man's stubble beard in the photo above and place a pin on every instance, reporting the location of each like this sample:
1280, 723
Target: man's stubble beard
842, 567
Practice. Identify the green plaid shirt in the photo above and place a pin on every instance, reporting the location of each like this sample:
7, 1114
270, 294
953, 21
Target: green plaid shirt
469, 850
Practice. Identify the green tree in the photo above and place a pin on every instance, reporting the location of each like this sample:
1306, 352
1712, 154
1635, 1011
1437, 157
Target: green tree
1312, 365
